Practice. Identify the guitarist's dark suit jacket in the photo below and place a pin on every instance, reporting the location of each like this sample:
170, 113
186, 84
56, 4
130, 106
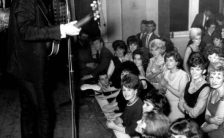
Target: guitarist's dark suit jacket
29, 33
28, 36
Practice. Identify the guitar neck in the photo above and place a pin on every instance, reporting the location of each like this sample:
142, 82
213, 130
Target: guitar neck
84, 20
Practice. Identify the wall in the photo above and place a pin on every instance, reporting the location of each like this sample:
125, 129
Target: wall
122, 18
181, 43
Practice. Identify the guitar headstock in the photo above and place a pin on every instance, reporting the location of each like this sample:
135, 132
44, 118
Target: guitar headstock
96, 9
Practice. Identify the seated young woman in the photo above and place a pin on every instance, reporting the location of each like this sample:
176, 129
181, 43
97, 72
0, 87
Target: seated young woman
156, 63
156, 101
154, 122
138, 59
173, 84
133, 111
193, 101
132, 44
218, 41
195, 45
214, 116
113, 71
119, 102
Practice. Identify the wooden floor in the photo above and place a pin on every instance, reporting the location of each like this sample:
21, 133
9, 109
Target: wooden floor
91, 121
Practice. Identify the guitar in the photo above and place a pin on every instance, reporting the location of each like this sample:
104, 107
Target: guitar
95, 15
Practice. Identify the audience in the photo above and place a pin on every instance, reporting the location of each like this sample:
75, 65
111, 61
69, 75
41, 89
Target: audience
219, 18
185, 128
133, 44
102, 56
173, 83
217, 42
168, 44
153, 125
150, 69
156, 63
142, 32
83, 49
222, 32
195, 45
149, 33
138, 59
193, 101
201, 18
113, 71
148, 37
156, 101
119, 103
214, 116
214, 55
210, 27
133, 111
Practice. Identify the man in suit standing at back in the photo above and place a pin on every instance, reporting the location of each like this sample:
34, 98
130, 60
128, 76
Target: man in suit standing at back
148, 36
201, 18
142, 31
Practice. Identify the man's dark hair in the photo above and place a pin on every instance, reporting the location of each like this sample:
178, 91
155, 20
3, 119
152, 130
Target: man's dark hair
130, 67
131, 81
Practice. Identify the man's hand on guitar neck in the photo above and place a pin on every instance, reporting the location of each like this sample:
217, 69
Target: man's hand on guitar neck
69, 29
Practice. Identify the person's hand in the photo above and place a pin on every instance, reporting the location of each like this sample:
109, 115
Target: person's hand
111, 117
204, 125
102, 97
118, 120
110, 124
69, 29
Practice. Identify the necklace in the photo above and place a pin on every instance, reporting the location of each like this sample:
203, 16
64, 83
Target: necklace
130, 104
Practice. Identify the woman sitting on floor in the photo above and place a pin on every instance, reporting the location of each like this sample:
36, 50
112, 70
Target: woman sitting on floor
193, 101
133, 111
173, 83
156, 101
214, 116
113, 71
132, 44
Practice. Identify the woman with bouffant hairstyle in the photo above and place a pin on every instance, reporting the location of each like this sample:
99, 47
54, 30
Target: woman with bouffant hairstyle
184, 128
154, 125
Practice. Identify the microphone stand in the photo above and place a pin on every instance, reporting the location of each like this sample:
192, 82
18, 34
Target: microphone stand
71, 71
